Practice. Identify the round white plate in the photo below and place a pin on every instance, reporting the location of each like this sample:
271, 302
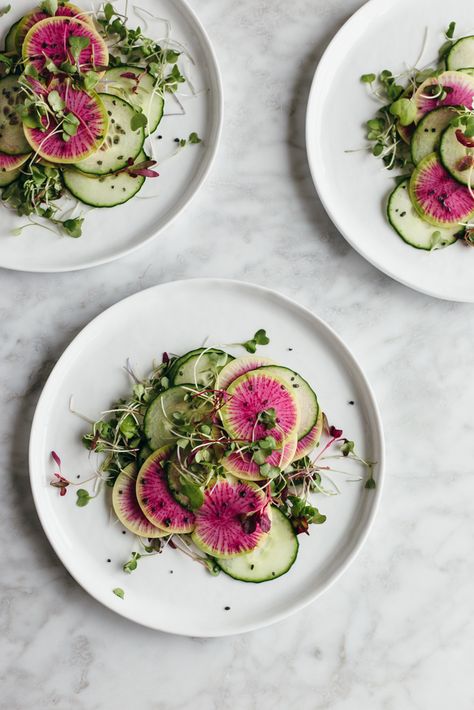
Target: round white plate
383, 34
177, 317
112, 233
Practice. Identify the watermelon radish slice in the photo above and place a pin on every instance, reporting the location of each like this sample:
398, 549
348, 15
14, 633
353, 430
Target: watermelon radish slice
127, 508
309, 442
50, 38
12, 162
155, 499
65, 10
240, 464
91, 132
239, 367
221, 528
459, 88
436, 196
253, 397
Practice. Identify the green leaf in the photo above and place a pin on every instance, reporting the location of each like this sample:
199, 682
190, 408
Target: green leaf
132, 564
192, 492
128, 427
50, 7
377, 150
260, 457
269, 471
370, 484
68, 68
268, 443
261, 337
55, 101
30, 70
77, 44
83, 497
182, 443
194, 138
172, 56
91, 79
139, 120
109, 11
119, 592
368, 78
405, 109
73, 227
450, 30
347, 447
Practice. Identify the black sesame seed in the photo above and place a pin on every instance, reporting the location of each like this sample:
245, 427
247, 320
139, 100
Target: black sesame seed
109, 560
227, 608
124, 532
351, 402
176, 140
171, 571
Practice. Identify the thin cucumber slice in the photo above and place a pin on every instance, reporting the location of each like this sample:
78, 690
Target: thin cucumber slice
427, 135
103, 190
457, 158
9, 176
121, 144
269, 561
411, 227
10, 39
201, 367
140, 92
160, 421
461, 54
12, 136
305, 397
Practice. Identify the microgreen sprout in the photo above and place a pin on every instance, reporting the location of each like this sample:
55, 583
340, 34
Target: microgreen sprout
260, 338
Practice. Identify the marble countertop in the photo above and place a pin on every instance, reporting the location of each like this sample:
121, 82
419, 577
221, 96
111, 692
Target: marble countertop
397, 630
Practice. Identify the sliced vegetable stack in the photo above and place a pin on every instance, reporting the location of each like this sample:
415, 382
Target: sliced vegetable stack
217, 456
80, 95
426, 128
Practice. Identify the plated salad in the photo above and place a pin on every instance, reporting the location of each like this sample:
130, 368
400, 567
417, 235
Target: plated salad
220, 458
81, 98
425, 129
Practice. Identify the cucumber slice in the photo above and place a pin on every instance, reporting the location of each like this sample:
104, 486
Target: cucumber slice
200, 367
273, 559
411, 227
12, 136
140, 93
456, 157
427, 135
121, 144
103, 190
9, 176
159, 422
305, 396
10, 39
461, 54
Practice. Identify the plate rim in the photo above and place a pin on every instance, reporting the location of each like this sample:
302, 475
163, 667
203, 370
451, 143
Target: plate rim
209, 162
315, 160
377, 433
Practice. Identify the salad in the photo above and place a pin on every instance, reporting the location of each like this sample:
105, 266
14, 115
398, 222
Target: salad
81, 98
425, 129
219, 458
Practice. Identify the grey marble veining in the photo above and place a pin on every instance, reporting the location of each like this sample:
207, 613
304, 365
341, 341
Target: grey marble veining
397, 630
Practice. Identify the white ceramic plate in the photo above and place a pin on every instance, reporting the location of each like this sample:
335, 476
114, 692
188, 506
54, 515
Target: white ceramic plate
112, 233
353, 186
177, 317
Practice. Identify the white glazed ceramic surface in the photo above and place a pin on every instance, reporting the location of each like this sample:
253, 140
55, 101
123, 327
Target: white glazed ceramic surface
354, 186
111, 233
177, 317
